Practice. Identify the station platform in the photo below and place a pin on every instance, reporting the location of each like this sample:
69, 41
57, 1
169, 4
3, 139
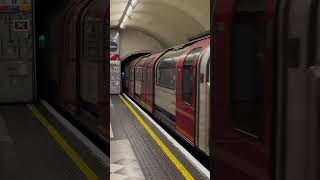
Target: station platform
141, 149
36, 143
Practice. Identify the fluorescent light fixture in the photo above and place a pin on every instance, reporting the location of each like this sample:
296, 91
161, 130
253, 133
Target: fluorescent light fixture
129, 10
134, 2
131, 6
125, 19
122, 25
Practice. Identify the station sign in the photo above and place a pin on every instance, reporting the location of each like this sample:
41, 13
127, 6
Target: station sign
113, 46
21, 25
114, 43
114, 57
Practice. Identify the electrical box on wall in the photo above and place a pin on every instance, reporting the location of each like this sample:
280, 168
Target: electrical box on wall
16, 51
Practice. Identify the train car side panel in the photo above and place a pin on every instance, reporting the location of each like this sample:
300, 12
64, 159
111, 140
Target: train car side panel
242, 117
140, 81
203, 102
165, 87
132, 66
187, 90
149, 91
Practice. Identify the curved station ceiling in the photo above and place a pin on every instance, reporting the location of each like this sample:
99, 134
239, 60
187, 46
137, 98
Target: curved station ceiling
169, 21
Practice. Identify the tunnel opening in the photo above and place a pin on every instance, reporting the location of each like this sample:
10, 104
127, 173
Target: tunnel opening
124, 62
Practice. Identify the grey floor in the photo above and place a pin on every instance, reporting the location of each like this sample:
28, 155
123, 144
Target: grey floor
129, 133
123, 162
28, 152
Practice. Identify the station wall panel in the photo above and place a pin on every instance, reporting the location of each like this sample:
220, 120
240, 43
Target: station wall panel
16, 51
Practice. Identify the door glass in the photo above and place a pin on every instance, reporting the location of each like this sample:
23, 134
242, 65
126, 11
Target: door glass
246, 66
187, 75
166, 69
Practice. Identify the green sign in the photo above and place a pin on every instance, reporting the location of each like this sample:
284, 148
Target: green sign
42, 41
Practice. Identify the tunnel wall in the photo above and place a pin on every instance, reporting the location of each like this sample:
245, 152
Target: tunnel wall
132, 40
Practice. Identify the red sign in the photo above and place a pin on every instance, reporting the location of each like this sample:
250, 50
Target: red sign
114, 57
21, 25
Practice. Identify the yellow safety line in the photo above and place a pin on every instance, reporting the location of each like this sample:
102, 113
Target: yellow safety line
63, 143
166, 150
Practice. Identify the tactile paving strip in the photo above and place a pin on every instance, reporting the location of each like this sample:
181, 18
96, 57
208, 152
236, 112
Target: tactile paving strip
154, 162
187, 164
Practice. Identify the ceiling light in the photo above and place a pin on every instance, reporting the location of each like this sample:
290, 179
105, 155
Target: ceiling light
128, 13
125, 19
134, 2
129, 10
122, 25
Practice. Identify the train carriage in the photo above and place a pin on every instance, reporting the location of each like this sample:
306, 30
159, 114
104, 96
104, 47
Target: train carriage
140, 80
149, 88
264, 97
131, 76
168, 85
203, 102
74, 80
187, 93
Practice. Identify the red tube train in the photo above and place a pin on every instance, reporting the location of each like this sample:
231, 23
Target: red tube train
174, 86
72, 66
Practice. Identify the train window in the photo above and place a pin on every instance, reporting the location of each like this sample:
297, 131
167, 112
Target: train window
166, 69
132, 73
126, 74
138, 74
149, 76
246, 67
187, 75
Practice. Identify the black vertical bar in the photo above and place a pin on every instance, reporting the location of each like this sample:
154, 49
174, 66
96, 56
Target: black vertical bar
212, 6
107, 64
313, 33
34, 53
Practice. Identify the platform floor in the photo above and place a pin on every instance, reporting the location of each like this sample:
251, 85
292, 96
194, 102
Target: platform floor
139, 150
35, 146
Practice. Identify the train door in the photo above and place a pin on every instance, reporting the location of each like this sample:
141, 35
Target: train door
126, 78
131, 79
146, 81
186, 101
203, 102
149, 85
299, 85
138, 82
243, 89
